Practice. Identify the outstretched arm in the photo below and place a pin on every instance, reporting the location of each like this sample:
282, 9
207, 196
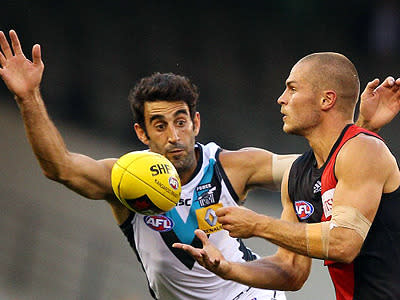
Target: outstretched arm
84, 175
379, 103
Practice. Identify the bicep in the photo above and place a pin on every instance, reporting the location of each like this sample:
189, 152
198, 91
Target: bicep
362, 169
264, 169
357, 194
89, 177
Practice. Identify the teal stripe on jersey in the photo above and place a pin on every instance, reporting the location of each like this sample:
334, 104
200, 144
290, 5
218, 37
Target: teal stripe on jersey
185, 230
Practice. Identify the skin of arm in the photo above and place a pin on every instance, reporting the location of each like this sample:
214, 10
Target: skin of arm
360, 185
251, 167
285, 270
82, 174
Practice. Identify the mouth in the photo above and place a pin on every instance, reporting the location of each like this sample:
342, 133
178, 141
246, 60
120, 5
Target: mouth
175, 151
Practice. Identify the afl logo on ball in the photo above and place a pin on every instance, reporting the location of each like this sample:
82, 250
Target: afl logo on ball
159, 223
304, 209
173, 182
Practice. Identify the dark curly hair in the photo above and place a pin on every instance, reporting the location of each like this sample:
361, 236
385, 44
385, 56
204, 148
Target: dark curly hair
164, 87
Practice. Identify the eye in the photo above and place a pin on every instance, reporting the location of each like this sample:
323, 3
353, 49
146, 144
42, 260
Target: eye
181, 122
159, 126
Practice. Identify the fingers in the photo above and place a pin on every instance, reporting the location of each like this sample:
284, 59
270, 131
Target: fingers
200, 234
222, 211
209, 262
2, 60
389, 82
202, 237
16, 45
5, 46
195, 252
36, 55
372, 85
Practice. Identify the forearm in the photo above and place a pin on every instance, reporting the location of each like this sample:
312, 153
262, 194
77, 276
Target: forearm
289, 235
272, 272
45, 139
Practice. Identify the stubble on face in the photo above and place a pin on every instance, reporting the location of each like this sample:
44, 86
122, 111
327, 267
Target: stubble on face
301, 111
180, 151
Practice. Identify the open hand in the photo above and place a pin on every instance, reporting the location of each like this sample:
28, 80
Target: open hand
379, 103
209, 256
21, 75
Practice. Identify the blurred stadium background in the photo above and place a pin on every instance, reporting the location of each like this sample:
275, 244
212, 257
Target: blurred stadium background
56, 245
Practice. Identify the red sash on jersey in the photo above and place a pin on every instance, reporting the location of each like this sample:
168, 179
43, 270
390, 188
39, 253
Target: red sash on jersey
342, 274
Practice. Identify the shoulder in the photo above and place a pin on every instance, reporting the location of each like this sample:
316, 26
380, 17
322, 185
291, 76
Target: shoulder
365, 154
363, 145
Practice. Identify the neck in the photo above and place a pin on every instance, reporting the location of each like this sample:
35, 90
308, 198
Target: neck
323, 137
187, 174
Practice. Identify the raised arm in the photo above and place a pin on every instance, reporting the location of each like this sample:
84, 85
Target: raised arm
82, 174
379, 103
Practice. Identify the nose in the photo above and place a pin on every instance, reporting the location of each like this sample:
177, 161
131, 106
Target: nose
282, 99
173, 136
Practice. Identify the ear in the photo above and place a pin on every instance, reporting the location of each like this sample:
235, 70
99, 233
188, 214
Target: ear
196, 123
141, 134
328, 100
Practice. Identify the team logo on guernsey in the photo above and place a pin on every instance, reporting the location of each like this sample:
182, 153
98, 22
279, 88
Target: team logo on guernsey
159, 223
173, 182
304, 209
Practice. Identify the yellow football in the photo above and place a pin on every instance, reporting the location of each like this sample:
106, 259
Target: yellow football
146, 182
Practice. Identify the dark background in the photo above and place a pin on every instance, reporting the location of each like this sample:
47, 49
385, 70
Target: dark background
238, 53
55, 245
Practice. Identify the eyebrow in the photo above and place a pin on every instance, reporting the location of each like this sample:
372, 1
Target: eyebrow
162, 117
290, 82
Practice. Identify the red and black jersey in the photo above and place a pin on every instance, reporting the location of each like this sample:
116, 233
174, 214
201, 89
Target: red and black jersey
375, 273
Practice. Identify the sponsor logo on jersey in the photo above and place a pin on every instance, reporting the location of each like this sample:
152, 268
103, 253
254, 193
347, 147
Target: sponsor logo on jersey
207, 219
327, 202
304, 209
173, 182
159, 223
185, 202
207, 198
317, 187
202, 187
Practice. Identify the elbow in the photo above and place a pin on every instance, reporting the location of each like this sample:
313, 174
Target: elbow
51, 175
55, 175
297, 281
344, 252
295, 274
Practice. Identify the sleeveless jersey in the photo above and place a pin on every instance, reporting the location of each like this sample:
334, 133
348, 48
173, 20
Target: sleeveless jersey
375, 272
172, 273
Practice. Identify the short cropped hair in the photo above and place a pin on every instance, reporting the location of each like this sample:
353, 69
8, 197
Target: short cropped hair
162, 87
335, 71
